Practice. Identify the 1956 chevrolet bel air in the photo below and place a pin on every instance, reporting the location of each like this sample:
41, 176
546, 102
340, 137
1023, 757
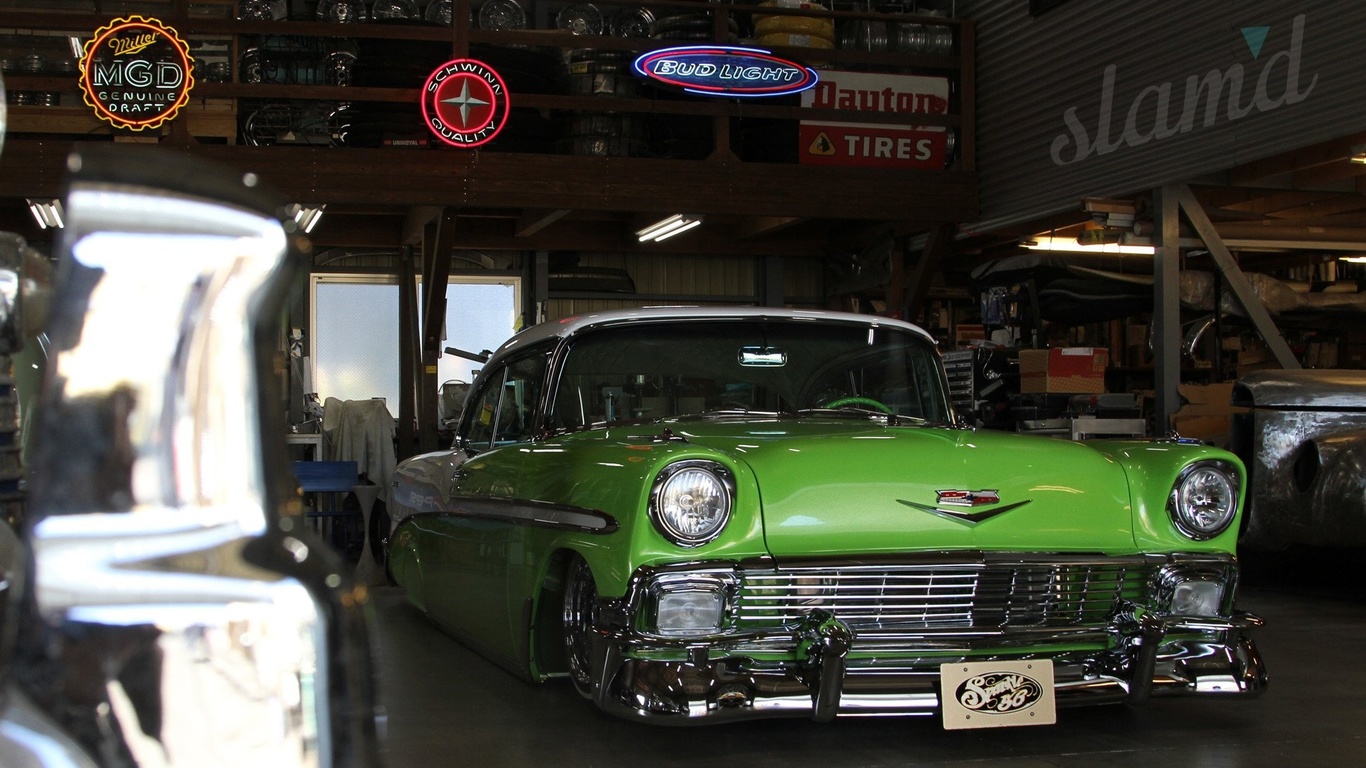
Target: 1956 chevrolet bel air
707, 514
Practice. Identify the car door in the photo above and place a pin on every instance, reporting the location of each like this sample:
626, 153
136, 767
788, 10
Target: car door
475, 546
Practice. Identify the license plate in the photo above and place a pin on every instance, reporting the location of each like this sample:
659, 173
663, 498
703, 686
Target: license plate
995, 694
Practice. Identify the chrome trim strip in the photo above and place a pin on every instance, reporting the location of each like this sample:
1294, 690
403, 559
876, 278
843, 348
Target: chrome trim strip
539, 514
966, 518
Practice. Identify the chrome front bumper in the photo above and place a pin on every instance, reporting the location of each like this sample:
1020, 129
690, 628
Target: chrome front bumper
714, 684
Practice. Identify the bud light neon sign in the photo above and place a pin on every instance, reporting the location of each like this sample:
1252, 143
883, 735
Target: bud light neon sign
723, 70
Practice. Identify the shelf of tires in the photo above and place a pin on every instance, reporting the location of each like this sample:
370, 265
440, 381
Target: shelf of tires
578, 50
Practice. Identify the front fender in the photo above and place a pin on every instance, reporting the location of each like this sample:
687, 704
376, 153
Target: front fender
1152, 468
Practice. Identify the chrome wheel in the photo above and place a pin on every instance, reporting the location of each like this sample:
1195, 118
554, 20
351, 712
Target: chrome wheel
580, 598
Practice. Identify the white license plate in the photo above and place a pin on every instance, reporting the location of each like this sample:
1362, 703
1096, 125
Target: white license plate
994, 694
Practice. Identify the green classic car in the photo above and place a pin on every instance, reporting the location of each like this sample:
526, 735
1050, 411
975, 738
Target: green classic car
708, 514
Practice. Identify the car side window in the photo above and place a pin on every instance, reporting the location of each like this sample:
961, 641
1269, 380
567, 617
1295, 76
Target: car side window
504, 410
483, 410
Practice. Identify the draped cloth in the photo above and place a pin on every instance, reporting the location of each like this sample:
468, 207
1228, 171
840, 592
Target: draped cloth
361, 431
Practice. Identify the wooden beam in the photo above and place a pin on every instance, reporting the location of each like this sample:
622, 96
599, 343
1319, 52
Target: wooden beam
764, 225
1298, 160
1181, 195
523, 180
1328, 173
533, 221
436, 272
918, 282
416, 221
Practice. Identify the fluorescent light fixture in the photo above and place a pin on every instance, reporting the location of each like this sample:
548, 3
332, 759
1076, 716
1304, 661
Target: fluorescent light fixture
1070, 245
1359, 153
668, 227
48, 213
1353, 259
306, 216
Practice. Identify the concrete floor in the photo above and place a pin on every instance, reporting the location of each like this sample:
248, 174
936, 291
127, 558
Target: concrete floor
446, 706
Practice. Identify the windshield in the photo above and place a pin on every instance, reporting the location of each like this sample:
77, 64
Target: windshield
661, 370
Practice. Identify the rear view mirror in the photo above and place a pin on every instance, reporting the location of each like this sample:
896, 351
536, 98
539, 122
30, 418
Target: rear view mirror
762, 357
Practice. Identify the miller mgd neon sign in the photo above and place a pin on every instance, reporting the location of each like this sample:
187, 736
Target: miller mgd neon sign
725, 70
136, 73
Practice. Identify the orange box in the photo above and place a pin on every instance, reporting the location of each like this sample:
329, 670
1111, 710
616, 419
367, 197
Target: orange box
1075, 370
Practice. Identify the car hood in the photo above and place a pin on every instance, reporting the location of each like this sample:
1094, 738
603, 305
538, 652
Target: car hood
831, 486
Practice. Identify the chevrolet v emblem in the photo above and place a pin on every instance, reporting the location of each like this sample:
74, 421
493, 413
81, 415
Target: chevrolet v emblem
970, 499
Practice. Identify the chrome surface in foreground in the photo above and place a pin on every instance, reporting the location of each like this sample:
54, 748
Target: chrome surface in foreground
181, 615
829, 649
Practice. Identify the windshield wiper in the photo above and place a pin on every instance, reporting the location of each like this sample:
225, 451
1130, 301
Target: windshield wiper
732, 411
849, 411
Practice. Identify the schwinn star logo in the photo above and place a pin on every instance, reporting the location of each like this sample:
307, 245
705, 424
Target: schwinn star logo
970, 499
465, 103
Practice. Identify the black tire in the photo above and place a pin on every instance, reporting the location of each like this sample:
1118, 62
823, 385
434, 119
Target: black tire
379, 538
580, 601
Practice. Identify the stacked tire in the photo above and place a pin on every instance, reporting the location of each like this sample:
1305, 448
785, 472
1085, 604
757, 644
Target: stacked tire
793, 30
686, 137
602, 134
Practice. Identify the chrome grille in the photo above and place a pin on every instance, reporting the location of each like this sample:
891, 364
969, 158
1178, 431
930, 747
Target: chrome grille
984, 596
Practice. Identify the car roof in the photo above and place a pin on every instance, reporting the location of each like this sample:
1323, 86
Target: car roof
568, 326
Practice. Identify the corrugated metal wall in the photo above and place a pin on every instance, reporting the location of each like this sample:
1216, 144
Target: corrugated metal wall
683, 279
1032, 71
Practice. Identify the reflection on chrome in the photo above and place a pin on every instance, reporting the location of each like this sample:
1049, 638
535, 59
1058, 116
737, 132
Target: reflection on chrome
184, 618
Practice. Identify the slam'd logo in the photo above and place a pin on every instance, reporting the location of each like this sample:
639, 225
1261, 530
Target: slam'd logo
993, 694
998, 692
465, 103
136, 73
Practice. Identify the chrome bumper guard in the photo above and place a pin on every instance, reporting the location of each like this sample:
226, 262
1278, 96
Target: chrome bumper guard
717, 684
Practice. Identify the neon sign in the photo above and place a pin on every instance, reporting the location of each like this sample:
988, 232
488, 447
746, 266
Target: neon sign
724, 70
465, 103
136, 73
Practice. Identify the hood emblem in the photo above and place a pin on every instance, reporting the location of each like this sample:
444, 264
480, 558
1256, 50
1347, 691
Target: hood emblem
967, 498
946, 500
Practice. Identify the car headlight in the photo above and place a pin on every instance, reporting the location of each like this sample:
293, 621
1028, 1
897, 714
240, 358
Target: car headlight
692, 604
1204, 500
689, 613
1197, 598
691, 501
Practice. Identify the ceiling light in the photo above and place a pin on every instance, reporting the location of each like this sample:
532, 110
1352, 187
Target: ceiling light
48, 213
1070, 245
1353, 259
668, 227
1359, 153
306, 216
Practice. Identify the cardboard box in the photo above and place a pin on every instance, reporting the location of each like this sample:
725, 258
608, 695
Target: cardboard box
1078, 370
1206, 412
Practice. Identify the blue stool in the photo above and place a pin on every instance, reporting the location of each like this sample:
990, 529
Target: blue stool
338, 526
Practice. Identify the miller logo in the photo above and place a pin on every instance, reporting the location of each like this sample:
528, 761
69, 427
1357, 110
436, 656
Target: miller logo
136, 73
465, 103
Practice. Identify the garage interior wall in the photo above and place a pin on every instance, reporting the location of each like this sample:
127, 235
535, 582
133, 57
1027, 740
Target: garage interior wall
1106, 119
